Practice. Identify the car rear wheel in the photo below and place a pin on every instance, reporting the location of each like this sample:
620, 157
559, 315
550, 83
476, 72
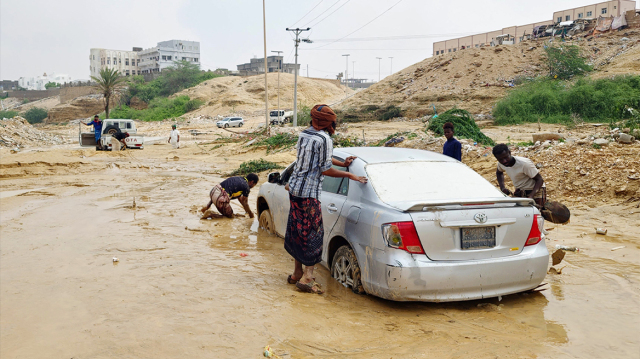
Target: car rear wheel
240, 125
265, 221
345, 269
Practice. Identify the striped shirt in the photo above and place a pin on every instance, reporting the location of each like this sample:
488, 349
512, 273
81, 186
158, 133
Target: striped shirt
315, 150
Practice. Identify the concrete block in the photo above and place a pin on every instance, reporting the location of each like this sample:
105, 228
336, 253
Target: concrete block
546, 136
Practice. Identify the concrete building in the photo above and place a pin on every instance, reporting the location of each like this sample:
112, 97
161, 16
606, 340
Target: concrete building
39, 82
126, 62
274, 64
609, 8
8, 85
162, 56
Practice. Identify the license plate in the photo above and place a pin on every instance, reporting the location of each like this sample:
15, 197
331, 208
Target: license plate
478, 238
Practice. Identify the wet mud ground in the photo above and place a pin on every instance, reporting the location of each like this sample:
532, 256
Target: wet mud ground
182, 289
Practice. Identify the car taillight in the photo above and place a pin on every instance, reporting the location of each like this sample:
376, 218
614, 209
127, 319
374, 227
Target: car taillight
535, 235
402, 235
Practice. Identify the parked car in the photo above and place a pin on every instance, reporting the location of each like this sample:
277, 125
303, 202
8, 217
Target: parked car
111, 127
425, 227
230, 122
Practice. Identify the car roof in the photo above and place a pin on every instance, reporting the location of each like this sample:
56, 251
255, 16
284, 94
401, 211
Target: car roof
392, 154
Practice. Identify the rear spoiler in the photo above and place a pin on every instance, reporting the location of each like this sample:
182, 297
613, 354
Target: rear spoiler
420, 206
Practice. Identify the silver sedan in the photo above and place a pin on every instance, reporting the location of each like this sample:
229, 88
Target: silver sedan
425, 227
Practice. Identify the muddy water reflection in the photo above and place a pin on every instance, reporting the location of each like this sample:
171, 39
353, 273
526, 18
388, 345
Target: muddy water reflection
181, 288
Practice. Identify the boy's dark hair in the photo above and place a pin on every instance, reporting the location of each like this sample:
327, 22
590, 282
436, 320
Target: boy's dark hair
252, 177
448, 125
499, 148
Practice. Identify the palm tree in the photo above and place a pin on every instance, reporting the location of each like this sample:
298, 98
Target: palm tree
109, 84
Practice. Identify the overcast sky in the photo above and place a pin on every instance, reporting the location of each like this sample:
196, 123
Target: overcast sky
38, 36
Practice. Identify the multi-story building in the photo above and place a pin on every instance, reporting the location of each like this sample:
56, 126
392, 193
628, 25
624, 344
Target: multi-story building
517, 33
8, 85
274, 64
39, 82
126, 62
139, 61
162, 56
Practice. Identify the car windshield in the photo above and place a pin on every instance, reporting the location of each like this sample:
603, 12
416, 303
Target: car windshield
427, 181
225, 119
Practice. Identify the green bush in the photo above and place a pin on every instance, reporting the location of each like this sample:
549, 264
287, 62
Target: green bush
391, 112
35, 115
463, 123
159, 109
565, 61
345, 141
255, 166
304, 116
281, 140
553, 101
8, 114
192, 105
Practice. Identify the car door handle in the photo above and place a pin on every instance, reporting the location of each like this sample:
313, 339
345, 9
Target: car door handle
332, 208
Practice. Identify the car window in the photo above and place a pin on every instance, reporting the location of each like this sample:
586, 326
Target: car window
128, 124
335, 184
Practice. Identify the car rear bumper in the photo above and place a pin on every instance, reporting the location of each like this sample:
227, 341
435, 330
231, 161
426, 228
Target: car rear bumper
435, 281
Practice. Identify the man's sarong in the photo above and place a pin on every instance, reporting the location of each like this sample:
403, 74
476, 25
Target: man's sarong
305, 232
221, 200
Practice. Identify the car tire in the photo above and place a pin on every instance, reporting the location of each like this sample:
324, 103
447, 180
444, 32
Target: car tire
240, 125
226, 125
112, 130
266, 222
345, 269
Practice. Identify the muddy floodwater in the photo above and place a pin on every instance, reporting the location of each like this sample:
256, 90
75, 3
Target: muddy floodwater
182, 287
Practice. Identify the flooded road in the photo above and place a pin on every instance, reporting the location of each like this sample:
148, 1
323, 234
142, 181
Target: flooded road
181, 288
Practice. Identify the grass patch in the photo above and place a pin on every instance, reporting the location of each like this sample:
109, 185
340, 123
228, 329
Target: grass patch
404, 134
552, 101
345, 141
159, 109
525, 144
8, 114
463, 123
281, 140
255, 166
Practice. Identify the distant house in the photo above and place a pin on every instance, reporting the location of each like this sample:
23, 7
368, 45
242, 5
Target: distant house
7, 85
39, 82
274, 64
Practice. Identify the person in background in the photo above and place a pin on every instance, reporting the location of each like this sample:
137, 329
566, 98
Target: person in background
174, 137
231, 188
452, 147
523, 173
97, 130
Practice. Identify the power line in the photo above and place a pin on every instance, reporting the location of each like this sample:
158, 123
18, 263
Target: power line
324, 18
358, 29
355, 49
400, 37
329, 8
305, 15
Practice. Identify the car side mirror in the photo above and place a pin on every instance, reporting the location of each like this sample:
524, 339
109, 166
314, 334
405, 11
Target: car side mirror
274, 177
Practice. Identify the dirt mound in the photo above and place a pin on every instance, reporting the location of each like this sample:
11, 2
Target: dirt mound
475, 79
224, 95
17, 132
81, 107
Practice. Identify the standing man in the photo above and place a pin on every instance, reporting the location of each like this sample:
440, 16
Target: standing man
231, 188
97, 130
174, 137
305, 231
452, 147
523, 173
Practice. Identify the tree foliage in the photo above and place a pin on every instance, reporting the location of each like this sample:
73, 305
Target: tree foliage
464, 126
49, 85
566, 61
109, 84
35, 115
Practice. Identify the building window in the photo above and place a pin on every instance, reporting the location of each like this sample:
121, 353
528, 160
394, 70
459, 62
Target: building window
454, 50
604, 10
164, 57
567, 18
126, 62
127, 73
614, 7
195, 59
477, 45
94, 57
560, 19
108, 61
449, 50
169, 58
196, 48
138, 61
580, 16
184, 59
589, 13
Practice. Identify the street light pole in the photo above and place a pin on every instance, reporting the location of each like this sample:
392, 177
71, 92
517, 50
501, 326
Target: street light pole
391, 57
379, 58
346, 72
297, 31
279, 68
266, 95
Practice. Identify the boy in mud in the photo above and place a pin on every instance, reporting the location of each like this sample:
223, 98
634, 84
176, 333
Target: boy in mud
452, 147
97, 130
523, 173
231, 188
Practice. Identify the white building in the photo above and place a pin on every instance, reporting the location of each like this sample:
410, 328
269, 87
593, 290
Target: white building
162, 56
39, 82
126, 62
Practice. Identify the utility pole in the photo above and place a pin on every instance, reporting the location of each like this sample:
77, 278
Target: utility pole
346, 73
280, 68
266, 69
353, 71
379, 58
297, 31
391, 57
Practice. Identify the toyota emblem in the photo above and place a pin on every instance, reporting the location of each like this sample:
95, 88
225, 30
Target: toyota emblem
480, 217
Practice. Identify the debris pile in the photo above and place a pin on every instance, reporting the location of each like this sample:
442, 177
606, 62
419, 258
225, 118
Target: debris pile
17, 133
